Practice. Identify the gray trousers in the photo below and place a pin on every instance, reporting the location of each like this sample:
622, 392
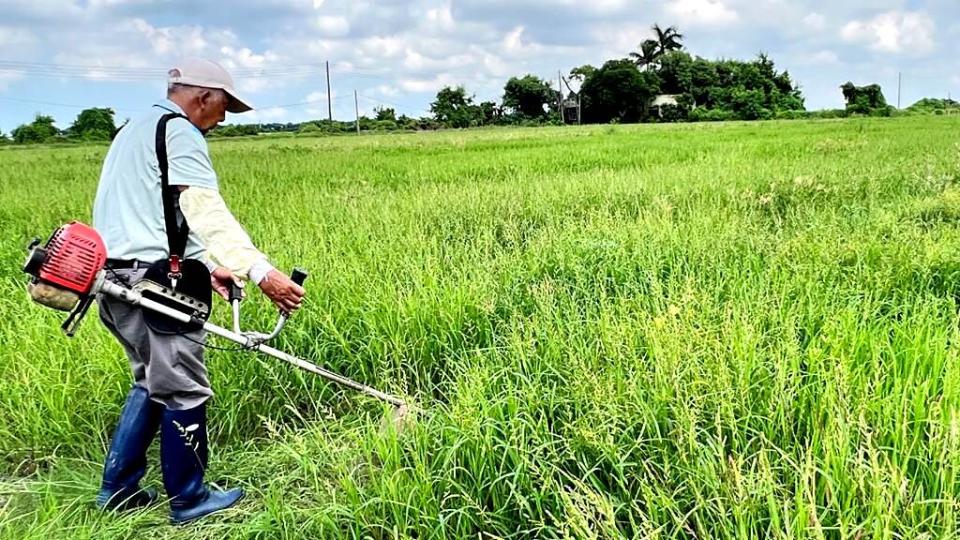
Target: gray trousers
170, 367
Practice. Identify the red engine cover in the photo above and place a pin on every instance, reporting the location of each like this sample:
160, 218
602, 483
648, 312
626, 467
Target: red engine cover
75, 254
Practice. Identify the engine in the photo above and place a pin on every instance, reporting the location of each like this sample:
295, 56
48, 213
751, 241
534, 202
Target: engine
65, 269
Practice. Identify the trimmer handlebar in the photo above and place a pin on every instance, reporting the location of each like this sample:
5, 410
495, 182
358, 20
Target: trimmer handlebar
236, 292
298, 276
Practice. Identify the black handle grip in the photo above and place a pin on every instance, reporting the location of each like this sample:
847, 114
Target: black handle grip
298, 276
236, 292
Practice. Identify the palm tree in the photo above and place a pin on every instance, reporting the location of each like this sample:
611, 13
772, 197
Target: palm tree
582, 73
667, 40
648, 55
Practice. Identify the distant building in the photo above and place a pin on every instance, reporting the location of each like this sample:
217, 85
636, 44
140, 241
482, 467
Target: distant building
571, 110
663, 100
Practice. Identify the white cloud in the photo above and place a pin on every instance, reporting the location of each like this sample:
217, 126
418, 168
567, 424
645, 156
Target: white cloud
815, 21
603, 7
98, 59
173, 40
242, 57
415, 61
495, 65
513, 42
233, 58
317, 102
333, 26
821, 58
14, 43
264, 115
428, 85
144, 51
893, 32
7, 77
388, 90
115, 3
46, 9
384, 46
702, 12
11, 36
618, 39
441, 18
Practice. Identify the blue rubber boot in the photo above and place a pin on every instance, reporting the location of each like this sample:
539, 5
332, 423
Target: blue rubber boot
183, 456
126, 462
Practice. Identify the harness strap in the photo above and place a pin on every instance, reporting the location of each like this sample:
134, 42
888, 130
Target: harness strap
176, 235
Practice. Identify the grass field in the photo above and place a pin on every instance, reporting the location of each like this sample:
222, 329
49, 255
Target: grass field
686, 331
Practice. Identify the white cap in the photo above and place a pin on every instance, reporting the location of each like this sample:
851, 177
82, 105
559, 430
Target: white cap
207, 74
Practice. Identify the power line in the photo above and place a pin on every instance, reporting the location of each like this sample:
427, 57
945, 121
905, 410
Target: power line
95, 74
301, 103
122, 109
65, 105
132, 70
379, 101
89, 70
114, 73
144, 74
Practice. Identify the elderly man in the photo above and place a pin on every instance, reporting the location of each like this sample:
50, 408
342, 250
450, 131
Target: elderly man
158, 197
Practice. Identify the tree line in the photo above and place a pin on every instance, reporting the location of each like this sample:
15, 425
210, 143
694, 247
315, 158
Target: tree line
95, 124
658, 82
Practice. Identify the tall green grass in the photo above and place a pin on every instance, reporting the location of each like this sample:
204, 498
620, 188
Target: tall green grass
692, 331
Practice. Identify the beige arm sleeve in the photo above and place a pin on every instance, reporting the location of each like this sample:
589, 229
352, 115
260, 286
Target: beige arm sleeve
223, 237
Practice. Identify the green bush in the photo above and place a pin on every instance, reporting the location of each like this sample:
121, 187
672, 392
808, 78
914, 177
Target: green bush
674, 113
881, 111
385, 125
309, 128
792, 115
749, 105
711, 115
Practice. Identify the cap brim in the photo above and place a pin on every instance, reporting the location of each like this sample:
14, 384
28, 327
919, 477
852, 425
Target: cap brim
237, 104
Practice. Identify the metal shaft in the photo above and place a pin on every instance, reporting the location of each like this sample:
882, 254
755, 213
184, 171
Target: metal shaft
136, 299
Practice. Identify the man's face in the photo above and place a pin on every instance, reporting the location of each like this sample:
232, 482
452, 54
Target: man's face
211, 109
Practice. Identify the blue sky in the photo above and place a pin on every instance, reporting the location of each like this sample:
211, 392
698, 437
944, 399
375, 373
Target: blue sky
59, 56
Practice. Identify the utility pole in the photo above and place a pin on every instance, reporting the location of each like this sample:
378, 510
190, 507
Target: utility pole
356, 108
899, 86
563, 118
329, 99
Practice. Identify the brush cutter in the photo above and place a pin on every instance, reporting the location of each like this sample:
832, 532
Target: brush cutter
70, 270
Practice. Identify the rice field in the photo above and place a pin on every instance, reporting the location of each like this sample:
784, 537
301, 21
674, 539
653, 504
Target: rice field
740, 330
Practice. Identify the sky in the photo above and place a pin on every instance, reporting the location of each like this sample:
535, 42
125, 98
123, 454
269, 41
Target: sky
58, 57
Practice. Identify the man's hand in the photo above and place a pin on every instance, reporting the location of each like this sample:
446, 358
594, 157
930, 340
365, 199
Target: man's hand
221, 278
286, 294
